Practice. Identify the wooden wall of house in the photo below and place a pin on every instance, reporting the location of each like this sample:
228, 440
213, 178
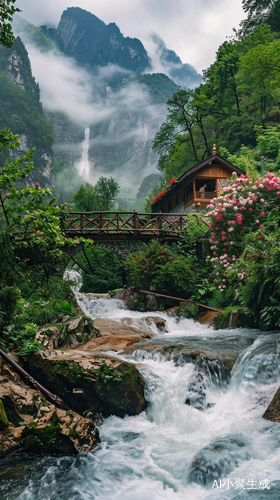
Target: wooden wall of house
178, 195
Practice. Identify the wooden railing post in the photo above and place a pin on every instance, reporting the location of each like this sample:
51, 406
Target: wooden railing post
160, 222
82, 223
181, 222
101, 220
135, 220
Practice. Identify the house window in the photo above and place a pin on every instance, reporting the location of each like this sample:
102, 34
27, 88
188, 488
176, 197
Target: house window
205, 188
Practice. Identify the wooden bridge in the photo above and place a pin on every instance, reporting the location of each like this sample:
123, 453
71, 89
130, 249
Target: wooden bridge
125, 226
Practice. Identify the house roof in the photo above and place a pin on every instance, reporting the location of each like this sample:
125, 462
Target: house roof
216, 159
219, 160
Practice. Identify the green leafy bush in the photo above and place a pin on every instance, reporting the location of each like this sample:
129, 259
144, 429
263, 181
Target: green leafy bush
158, 266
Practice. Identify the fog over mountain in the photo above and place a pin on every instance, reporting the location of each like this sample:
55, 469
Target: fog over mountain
91, 75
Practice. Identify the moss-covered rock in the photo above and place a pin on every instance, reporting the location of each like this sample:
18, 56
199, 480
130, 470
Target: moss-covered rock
70, 333
60, 432
106, 384
4, 422
30, 423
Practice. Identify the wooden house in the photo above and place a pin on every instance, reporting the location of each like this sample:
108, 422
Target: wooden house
196, 187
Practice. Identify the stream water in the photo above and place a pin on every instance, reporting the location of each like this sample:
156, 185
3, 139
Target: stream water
217, 446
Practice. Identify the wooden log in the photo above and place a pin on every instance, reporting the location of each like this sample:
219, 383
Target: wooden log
181, 300
53, 398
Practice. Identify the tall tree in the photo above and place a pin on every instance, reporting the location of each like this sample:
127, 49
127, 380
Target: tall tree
6, 16
259, 12
102, 196
183, 135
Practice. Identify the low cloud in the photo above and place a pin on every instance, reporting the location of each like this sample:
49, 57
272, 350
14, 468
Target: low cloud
193, 28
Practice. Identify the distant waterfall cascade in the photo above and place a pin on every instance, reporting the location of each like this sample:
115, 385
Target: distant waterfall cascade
202, 436
84, 165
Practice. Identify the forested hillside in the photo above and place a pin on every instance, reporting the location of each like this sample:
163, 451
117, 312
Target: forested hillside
237, 106
21, 109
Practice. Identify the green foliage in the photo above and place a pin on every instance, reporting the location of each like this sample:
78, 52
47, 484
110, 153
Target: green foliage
32, 219
184, 122
6, 16
8, 293
158, 266
31, 303
107, 374
159, 86
237, 103
261, 291
86, 198
21, 113
28, 347
101, 269
108, 190
102, 196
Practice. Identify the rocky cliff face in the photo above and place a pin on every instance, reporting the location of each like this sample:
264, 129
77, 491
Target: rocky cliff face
22, 112
91, 42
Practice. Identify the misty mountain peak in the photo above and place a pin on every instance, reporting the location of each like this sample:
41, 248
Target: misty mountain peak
184, 75
91, 42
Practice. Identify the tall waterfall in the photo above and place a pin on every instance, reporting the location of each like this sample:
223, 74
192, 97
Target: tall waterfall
84, 166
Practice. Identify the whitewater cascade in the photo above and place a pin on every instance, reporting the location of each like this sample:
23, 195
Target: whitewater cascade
202, 436
84, 165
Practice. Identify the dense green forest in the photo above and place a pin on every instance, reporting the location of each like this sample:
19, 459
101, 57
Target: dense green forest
236, 106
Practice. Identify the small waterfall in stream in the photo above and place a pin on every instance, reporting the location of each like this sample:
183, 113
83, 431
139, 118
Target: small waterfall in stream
202, 436
84, 166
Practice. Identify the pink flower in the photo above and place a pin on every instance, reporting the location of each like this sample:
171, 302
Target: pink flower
257, 184
269, 175
262, 213
278, 192
261, 225
230, 229
223, 238
250, 209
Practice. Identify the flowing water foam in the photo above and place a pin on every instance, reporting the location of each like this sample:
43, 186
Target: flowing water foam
174, 450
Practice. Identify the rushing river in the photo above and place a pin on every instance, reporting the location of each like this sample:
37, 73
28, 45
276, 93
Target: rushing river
217, 446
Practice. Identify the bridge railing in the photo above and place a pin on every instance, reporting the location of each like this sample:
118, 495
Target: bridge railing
124, 222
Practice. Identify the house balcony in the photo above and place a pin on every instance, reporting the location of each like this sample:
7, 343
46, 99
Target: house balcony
198, 197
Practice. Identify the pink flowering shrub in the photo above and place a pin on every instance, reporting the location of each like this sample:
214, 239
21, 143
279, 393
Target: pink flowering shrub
242, 209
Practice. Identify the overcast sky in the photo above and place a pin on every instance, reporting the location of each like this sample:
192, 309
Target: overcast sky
194, 29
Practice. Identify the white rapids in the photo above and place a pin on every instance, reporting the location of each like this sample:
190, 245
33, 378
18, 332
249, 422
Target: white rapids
217, 446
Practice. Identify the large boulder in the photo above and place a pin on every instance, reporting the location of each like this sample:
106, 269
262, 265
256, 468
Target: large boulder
90, 380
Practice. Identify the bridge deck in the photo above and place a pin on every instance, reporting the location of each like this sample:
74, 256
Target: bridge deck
124, 225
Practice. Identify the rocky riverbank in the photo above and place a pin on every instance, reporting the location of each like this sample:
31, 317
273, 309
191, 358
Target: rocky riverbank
74, 364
